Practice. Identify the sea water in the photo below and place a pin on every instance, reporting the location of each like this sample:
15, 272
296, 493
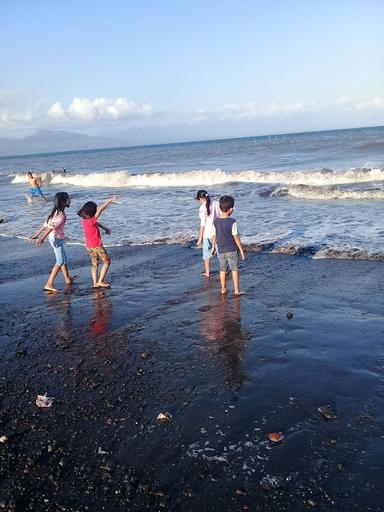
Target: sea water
318, 194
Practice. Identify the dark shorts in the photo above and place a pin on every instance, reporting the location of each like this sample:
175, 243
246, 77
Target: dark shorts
229, 260
97, 254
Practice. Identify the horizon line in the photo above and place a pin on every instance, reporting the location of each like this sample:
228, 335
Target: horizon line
197, 141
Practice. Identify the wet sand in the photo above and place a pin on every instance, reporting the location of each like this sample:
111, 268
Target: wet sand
229, 371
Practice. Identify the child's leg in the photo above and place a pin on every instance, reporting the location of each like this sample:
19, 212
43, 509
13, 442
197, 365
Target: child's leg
68, 279
233, 263
223, 265
104, 269
94, 274
223, 278
235, 277
103, 273
49, 285
207, 248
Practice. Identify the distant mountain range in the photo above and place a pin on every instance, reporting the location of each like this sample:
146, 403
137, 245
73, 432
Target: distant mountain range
50, 141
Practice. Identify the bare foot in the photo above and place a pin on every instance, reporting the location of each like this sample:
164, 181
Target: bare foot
103, 284
49, 288
71, 279
224, 291
238, 294
203, 274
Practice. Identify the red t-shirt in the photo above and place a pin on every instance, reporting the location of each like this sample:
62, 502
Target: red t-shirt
91, 232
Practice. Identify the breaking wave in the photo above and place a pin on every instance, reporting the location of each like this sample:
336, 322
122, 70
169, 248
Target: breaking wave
124, 179
326, 193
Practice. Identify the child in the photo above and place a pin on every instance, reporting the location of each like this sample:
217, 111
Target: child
54, 230
228, 243
207, 213
90, 213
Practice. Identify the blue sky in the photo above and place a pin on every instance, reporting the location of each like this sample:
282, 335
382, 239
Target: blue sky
153, 71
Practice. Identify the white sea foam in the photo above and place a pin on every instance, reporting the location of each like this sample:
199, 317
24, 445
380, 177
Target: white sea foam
325, 193
123, 179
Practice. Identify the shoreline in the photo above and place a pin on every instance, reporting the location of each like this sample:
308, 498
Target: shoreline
228, 370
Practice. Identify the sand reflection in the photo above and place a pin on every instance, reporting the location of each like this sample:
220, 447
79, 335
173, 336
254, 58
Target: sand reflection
221, 326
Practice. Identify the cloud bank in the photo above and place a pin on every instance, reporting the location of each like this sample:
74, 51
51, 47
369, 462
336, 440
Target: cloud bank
21, 113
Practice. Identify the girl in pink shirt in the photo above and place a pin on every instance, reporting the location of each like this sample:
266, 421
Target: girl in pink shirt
53, 229
89, 214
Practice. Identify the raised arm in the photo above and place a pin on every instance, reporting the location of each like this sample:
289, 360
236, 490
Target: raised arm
103, 206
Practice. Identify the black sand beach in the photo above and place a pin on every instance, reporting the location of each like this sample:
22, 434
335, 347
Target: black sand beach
308, 333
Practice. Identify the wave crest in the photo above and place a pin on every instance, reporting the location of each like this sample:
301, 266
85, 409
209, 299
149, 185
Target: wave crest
124, 179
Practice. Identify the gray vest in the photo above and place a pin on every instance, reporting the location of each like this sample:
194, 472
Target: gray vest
224, 237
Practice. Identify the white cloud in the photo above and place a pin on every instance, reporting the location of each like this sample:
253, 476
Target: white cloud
250, 110
253, 109
85, 109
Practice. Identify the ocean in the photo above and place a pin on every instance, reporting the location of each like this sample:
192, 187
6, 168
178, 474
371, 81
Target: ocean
316, 194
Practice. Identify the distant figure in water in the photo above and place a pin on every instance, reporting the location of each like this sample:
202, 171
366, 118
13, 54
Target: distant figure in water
208, 212
35, 184
53, 228
64, 170
89, 214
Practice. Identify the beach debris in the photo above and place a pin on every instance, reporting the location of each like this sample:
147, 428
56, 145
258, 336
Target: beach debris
240, 492
164, 417
145, 355
326, 412
100, 451
269, 483
157, 494
289, 315
275, 437
311, 503
3, 439
44, 401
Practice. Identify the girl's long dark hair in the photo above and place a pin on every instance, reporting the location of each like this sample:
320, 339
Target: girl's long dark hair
203, 194
60, 202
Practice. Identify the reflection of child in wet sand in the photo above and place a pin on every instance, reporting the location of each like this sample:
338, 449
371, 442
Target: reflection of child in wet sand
35, 191
226, 236
53, 228
221, 325
89, 214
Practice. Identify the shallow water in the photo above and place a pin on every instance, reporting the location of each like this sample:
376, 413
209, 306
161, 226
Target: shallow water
318, 193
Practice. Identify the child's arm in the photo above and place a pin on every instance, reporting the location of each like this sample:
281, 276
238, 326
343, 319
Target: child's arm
102, 207
107, 230
40, 241
36, 235
201, 235
213, 240
238, 243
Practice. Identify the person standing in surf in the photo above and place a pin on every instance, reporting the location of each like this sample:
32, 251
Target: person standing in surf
208, 212
35, 184
53, 229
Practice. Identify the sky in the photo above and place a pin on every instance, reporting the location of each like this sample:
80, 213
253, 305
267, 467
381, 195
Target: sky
172, 70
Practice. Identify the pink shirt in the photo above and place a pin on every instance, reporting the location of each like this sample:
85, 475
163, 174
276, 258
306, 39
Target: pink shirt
92, 233
57, 223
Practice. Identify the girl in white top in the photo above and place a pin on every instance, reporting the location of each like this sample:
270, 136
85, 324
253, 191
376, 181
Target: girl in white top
208, 211
53, 229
